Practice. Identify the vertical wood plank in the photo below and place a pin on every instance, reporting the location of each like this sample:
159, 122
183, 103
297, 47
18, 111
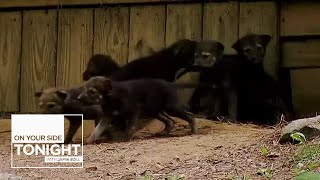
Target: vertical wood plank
147, 23
305, 92
38, 55
184, 21
261, 17
10, 54
111, 32
220, 23
75, 41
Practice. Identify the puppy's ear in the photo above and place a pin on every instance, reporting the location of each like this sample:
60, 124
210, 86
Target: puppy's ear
38, 93
182, 46
143, 48
62, 94
139, 45
85, 76
265, 39
177, 50
220, 46
236, 46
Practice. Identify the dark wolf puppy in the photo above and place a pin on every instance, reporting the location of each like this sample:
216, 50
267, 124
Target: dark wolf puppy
143, 49
250, 48
100, 65
165, 63
245, 85
64, 101
126, 101
207, 51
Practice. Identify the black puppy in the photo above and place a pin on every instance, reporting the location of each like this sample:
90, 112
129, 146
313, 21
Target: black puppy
165, 63
64, 101
246, 92
207, 51
100, 65
126, 101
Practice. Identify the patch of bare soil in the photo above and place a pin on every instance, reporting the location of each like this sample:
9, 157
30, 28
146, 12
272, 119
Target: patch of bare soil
219, 151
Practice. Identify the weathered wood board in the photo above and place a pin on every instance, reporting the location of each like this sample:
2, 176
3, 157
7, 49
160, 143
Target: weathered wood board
44, 3
38, 55
10, 54
75, 41
111, 33
301, 54
147, 23
220, 23
261, 18
300, 18
184, 21
306, 90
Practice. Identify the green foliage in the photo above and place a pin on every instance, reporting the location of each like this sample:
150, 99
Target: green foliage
265, 172
146, 177
264, 151
308, 176
307, 158
308, 153
176, 177
298, 137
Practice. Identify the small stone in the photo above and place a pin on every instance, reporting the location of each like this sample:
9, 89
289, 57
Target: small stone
177, 158
310, 127
93, 168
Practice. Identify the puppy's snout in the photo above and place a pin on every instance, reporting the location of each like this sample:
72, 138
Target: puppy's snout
254, 59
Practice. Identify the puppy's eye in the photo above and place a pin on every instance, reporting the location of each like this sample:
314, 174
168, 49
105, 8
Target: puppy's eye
259, 48
247, 50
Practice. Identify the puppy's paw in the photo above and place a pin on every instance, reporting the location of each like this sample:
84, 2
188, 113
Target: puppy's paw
162, 133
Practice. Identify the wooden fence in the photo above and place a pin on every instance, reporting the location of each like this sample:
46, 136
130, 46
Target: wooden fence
42, 48
300, 49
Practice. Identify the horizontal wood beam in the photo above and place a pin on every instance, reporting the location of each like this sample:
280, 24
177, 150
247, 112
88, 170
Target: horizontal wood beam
52, 3
44, 3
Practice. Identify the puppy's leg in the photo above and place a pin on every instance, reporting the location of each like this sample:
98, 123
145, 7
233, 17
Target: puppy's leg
194, 102
131, 123
233, 104
168, 124
96, 121
98, 130
220, 108
75, 123
180, 113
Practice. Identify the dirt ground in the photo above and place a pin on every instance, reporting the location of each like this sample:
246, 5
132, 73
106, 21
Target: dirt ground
219, 151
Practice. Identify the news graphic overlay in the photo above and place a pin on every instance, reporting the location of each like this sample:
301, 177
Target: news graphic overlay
37, 141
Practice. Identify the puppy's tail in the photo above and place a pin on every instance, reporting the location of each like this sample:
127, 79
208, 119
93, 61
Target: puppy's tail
193, 85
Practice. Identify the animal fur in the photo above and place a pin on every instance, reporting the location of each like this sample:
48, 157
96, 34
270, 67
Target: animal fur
126, 101
247, 92
64, 101
163, 64
100, 65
